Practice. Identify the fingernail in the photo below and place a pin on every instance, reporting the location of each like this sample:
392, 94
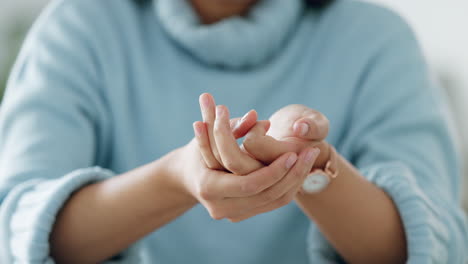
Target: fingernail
205, 101
237, 125
244, 117
197, 129
291, 161
219, 111
312, 154
301, 129
239, 122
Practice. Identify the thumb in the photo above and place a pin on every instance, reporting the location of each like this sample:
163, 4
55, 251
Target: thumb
314, 127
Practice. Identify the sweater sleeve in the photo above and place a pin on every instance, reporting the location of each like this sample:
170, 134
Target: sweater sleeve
400, 138
52, 129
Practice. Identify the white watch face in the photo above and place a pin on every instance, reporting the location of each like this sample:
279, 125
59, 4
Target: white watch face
315, 182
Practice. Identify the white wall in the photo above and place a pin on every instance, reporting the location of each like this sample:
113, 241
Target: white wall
442, 27
12, 12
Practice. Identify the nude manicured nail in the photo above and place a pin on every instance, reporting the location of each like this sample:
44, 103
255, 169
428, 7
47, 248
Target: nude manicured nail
291, 161
312, 154
245, 117
301, 128
239, 122
219, 111
198, 130
237, 125
205, 100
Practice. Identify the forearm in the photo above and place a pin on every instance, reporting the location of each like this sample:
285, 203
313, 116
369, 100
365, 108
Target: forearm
102, 219
359, 219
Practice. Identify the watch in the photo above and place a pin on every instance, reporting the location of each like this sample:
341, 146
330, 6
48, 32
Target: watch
319, 179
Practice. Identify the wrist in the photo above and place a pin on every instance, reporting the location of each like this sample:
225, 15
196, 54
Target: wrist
324, 157
172, 178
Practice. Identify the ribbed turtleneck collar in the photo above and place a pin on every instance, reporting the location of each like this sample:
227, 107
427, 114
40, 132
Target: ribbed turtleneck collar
234, 42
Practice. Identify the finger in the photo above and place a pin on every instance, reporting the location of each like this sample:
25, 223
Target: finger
219, 185
263, 147
201, 134
261, 125
313, 126
208, 109
281, 202
232, 158
241, 126
284, 200
279, 194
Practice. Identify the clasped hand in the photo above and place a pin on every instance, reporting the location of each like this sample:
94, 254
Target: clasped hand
264, 173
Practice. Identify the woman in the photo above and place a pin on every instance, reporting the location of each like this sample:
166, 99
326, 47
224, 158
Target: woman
103, 97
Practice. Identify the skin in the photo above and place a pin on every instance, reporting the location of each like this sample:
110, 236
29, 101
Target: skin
358, 218
102, 219
212, 11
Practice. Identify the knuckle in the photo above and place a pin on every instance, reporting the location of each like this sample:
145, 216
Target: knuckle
249, 142
232, 165
248, 187
269, 196
205, 194
204, 190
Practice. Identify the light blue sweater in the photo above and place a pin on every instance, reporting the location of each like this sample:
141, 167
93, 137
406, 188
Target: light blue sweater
94, 83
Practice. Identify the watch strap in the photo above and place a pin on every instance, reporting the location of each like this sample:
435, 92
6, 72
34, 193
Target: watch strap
331, 167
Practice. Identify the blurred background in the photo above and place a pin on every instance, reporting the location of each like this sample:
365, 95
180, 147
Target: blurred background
441, 25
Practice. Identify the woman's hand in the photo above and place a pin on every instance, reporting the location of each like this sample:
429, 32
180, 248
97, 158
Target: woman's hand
231, 157
215, 131
235, 197
293, 128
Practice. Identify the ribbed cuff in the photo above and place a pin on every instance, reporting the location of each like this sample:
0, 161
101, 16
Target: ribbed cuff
319, 250
29, 211
427, 237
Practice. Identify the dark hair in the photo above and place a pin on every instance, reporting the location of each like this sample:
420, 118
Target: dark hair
311, 3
